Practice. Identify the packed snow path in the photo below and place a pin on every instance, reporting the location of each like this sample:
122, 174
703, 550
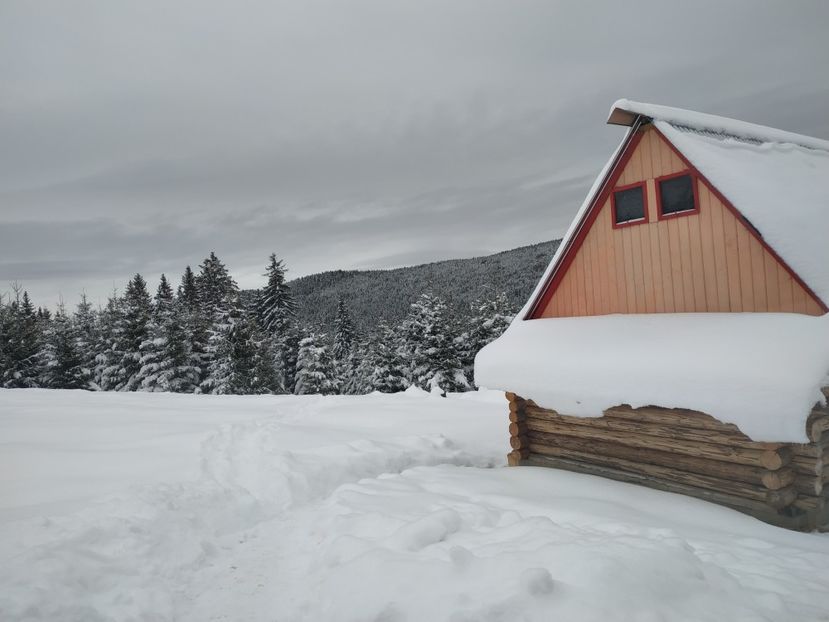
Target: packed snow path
172, 507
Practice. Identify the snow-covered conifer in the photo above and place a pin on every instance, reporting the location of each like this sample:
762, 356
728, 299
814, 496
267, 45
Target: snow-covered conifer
136, 319
429, 344
315, 371
23, 343
489, 319
61, 363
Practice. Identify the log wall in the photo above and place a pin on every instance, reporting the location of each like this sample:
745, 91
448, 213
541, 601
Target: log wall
686, 452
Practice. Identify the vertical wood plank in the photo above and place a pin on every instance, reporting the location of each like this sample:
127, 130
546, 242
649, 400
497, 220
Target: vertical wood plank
771, 283
785, 283
630, 284
677, 282
687, 265
746, 276
658, 269
646, 162
799, 295
715, 208
587, 276
638, 267
735, 295
698, 261
758, 270
709, 256
647, 268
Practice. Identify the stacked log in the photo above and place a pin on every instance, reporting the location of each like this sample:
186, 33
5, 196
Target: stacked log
682, 451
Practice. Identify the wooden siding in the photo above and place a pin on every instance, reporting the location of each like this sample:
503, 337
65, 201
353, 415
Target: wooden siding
707, 261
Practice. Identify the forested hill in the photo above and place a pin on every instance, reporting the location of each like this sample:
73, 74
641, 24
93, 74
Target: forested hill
372, 295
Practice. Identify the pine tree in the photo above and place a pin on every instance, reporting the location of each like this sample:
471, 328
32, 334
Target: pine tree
188, 293
61, 363
345, 361
429, 344
344, 331
315, 372
219, 309
86, 337
275, 312
108, 374
385, 367
489, 319
288, 358
165, 354
194, 326
23, 343
137, 313
275, 307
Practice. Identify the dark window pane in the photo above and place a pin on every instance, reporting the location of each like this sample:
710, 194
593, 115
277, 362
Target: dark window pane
630, 204
677, 194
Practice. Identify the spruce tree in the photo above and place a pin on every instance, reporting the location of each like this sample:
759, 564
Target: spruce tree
275, 312
430, 346
137, 312
109, 373
315, 372
489, 319
23, 343
62, 365
345, 361
194, 326
85, 322
188, 293
219, 309
165, 354
383, 369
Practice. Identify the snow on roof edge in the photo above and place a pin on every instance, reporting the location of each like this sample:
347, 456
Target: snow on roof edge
702, 120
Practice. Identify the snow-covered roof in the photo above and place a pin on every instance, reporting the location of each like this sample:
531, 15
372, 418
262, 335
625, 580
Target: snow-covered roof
778, 180
760, 371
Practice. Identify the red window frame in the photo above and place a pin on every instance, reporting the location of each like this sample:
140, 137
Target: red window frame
630, 223
657, 187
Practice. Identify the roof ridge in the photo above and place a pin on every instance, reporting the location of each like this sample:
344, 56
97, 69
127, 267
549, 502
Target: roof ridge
625, 111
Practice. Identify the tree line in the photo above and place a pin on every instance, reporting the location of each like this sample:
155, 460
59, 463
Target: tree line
203, 337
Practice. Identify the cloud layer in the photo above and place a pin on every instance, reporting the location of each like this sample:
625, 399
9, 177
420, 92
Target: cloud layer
141, 136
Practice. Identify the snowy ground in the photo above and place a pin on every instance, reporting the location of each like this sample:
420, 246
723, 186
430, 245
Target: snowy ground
386, 508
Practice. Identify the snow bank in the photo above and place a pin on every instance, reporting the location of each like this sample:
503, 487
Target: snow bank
380, 507
760, 371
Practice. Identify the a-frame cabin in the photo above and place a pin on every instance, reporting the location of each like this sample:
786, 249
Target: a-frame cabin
679, 337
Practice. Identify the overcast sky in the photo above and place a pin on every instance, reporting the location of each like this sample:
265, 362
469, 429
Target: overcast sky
139, 136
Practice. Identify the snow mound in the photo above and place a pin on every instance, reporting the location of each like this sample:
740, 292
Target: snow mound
760, 371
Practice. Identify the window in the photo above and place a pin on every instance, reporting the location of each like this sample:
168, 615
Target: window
676, 194
629, 205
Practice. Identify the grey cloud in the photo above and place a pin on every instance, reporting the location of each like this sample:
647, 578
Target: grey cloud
140, 136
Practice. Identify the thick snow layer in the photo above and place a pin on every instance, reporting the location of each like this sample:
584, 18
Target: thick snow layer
782, 188
760, 371
717, 124
170, 507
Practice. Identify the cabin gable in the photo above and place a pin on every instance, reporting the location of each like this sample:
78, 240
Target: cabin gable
701, 260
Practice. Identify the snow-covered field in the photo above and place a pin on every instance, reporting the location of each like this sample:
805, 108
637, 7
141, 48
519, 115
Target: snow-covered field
386, 508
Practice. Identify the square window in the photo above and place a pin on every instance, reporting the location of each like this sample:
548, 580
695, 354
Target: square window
676, 194
629, 205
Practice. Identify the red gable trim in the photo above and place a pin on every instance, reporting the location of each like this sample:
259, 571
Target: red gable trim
590, 215
745, 221
587, 221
